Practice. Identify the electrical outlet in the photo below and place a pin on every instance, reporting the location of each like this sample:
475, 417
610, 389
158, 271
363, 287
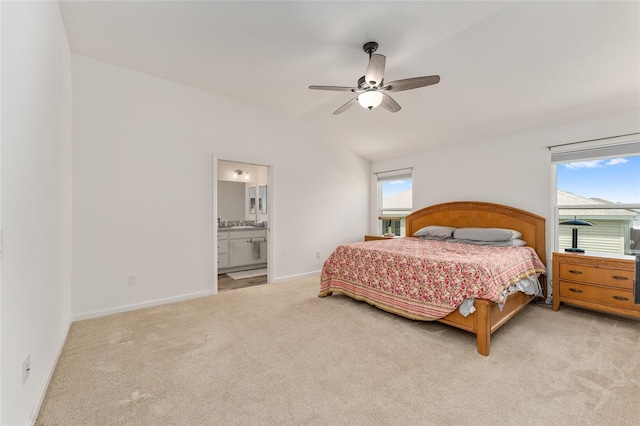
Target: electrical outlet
317, 255
26, 368
132, 280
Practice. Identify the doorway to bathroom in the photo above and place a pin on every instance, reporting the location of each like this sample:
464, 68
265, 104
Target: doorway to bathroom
242, 224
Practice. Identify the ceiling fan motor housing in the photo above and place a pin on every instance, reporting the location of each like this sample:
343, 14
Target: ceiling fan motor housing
370, 47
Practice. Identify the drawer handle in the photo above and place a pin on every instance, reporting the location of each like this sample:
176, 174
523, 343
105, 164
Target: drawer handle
575, 290
624, 299
619, 277
573, 271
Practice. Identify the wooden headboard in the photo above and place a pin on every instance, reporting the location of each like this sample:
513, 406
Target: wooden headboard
476, 214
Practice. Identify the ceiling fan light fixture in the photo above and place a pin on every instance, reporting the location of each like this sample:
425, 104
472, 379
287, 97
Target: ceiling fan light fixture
370, 99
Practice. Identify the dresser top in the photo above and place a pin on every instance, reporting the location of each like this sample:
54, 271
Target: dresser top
597, 254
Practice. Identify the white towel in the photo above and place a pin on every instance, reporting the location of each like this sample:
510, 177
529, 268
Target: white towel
256, 250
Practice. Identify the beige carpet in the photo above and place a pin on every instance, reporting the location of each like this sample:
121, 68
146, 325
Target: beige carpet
277, 355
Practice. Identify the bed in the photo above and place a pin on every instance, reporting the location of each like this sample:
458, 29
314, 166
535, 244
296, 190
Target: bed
370, 272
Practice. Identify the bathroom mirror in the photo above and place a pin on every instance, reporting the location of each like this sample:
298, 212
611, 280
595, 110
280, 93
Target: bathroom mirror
232, 200
262, 199
252, 200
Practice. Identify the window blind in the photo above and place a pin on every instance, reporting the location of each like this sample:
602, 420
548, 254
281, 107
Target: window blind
394, 174
596, 152
627, 147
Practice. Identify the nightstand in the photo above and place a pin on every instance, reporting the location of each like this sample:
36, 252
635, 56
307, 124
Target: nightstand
378, 237
599, 281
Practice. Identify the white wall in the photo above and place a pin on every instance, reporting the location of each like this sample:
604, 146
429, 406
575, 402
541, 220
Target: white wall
142, 193
36, 205
514, 170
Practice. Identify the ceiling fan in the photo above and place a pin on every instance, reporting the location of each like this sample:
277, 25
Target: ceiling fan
371, 89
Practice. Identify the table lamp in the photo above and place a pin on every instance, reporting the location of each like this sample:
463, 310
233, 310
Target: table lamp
574, 233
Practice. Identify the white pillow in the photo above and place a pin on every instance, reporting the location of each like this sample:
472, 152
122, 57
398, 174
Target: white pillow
435, 232
486, 234
509, 243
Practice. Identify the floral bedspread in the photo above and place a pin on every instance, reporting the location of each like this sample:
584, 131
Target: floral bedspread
424, 279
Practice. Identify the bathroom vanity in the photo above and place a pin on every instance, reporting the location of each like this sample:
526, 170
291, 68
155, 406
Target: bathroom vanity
241, 246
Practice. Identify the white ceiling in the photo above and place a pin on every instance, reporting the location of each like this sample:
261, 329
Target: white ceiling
504, 66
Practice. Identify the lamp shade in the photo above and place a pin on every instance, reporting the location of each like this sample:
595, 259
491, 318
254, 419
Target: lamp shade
370, 99
575, 222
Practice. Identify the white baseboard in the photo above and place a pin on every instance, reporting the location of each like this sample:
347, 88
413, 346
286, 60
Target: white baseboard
47, 378
133, 307
296, 276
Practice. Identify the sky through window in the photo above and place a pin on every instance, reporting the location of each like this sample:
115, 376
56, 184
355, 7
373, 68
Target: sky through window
612, 179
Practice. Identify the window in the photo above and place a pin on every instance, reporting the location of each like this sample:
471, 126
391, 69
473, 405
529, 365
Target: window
394, 200
601, 187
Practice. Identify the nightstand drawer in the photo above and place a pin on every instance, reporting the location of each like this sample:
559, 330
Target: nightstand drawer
593, 274
617, 278
585, 273
601, 295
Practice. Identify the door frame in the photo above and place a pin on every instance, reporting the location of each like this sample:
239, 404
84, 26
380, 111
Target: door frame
214, 217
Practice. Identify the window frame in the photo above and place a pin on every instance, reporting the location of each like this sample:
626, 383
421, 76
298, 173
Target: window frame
588, 153
393, 213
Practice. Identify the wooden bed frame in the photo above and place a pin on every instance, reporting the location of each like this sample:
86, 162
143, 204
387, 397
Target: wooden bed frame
487, 318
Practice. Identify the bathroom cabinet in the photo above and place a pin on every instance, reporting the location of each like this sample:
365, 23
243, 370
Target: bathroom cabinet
223, 250
237, 248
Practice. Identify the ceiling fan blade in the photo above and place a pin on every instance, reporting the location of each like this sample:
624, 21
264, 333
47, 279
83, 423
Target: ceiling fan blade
389, 103
375, 70
346, 106
333, 88
411, 83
